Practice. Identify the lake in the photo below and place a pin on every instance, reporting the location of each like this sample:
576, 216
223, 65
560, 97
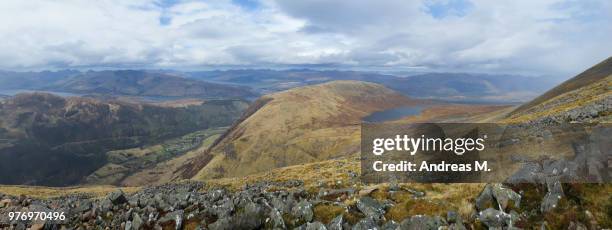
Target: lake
13, 92
393, 114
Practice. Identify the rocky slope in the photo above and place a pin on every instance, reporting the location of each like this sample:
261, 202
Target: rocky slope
585, 98
51, 140
290, 204
297, 126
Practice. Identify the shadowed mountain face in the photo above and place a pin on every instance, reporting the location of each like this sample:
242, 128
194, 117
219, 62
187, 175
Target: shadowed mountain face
50, 140
300, 125
120, 83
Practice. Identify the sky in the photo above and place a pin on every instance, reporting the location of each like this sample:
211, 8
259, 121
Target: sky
539, 37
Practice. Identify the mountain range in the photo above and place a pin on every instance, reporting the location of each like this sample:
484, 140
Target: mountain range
461, 87
250, 83
137, 83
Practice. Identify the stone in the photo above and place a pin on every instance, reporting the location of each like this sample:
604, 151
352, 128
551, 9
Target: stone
105, 205
83, 206
315, 226
457, 226
503, 195
576, 226
5, 203
530, 172
552, 197
493, 193
371, 208
366, 191
117, 197
365, 224
251, 217
390, 225
419, 222
336, 223
333, 194
451, 217
136, 221
172, 220
37, 226
492, 218
276, 219
303, 211
222, 224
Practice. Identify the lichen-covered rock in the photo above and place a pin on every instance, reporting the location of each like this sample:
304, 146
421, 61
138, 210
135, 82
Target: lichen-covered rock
371, 208
336, 223
419, 222
493, 218
365, 224
303, 211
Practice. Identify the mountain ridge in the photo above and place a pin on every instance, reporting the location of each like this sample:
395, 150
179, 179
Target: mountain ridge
587, 77
587, 97
296, 126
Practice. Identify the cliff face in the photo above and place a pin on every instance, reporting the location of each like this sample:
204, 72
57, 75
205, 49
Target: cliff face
50, 140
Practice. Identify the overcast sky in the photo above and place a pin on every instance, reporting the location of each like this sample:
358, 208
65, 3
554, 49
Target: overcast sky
543, 37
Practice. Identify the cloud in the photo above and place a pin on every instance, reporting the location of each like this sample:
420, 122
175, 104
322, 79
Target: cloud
559, 37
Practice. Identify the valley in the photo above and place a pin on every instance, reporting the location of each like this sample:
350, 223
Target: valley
43, 133
292, 158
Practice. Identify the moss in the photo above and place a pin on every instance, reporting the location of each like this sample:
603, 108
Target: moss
192, 224
325, 213
380, 194
353, 216
415, 207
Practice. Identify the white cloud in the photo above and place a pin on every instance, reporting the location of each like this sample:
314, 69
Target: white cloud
539, 37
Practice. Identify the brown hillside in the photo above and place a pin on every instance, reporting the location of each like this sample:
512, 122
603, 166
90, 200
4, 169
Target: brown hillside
591, 75
584, 98
297, 126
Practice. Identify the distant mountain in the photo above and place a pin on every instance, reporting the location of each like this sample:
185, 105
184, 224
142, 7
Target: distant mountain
120, 83
33, 80
51, 140
444, 86
142, 83
586, 97
469, 87
300, 125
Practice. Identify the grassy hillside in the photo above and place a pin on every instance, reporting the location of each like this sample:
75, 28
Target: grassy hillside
590, 76
51, 140
297, 126
586, 97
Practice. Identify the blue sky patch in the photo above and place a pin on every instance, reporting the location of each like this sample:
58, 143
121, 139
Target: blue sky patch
247, 4
444, 8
